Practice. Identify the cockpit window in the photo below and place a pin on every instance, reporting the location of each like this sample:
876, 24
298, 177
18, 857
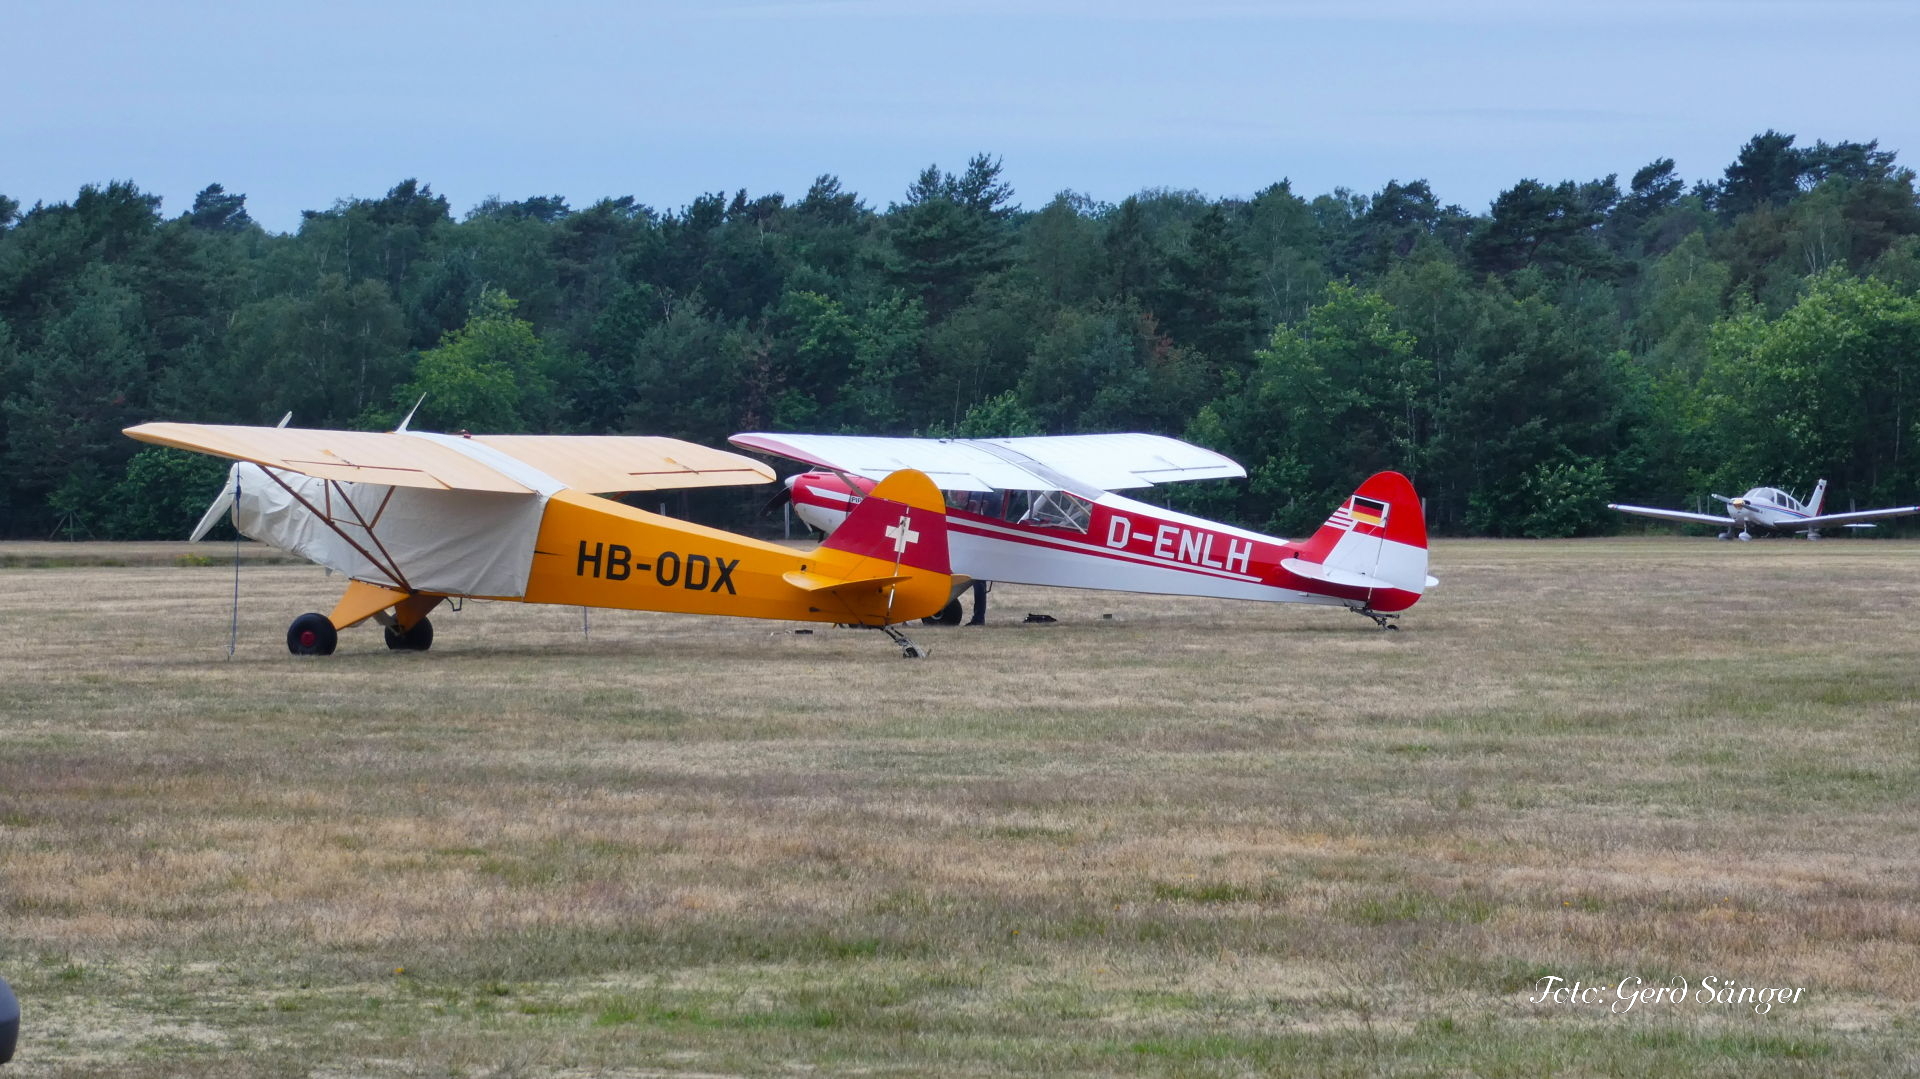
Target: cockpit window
1059, 509
984, 503
1016, 505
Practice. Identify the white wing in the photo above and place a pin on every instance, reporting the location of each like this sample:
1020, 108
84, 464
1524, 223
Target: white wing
1117, 462
1107, 462
1672, 515
1828, 519
954, 464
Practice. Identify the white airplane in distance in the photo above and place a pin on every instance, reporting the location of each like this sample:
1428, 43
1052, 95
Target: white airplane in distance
1769, 509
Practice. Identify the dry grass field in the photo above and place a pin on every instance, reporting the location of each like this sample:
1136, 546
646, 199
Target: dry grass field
1192, 838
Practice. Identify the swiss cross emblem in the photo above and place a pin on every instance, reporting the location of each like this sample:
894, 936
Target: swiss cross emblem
902, 534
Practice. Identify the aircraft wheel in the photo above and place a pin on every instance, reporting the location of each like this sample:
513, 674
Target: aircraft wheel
949, 616
312, 635
417, 639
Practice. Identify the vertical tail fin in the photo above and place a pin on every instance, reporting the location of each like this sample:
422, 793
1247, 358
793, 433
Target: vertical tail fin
1378, 535
902, 521
1819, 496
892, 544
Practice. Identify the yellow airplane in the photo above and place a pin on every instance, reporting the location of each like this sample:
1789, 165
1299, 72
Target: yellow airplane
413, 518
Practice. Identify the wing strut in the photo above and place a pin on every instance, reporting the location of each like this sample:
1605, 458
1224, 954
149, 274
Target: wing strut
386, 563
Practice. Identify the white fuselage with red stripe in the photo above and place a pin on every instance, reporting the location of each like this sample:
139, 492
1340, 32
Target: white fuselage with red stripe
1107, 541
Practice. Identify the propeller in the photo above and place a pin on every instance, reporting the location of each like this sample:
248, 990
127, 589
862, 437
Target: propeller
223, 501
410, 412
782, 497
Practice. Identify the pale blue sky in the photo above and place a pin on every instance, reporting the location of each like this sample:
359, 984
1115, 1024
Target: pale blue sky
297, 105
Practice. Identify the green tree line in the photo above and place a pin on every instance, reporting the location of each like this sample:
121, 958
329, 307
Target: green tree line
1578, 341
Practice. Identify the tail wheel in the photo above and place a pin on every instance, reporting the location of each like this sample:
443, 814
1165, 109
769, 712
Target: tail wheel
949, 615
312, 635
417, 639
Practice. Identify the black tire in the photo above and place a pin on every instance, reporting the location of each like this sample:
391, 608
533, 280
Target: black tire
312, 635
949, 615
417, 639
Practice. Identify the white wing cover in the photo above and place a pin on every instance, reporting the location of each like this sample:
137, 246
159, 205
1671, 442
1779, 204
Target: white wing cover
476, 543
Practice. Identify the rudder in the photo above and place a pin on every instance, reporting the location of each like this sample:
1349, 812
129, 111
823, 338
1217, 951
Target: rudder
1378, 534
895, 540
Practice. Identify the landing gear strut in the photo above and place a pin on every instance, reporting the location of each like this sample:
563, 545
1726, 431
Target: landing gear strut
908, 650
1380, 618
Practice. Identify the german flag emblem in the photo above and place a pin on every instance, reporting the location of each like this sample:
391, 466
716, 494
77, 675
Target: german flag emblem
1368, 511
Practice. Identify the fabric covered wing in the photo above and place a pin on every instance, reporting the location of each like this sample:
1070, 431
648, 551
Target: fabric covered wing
1109, 462
1120, 461
603, 464
392, 459
952, 464
1672, 515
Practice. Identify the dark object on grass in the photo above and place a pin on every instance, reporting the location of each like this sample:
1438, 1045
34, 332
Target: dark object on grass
1041, 618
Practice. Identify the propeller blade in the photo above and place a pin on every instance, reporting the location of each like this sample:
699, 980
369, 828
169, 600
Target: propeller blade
222, 502
410, 412
782, 497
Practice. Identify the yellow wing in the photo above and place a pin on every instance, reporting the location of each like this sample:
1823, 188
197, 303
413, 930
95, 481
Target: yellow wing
600, 464
353, 456
595, 464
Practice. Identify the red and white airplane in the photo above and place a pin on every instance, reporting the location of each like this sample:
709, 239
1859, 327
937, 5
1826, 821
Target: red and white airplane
1042, 511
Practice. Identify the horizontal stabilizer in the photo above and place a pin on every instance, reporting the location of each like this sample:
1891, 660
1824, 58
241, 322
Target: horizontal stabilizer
1349, 578
814, 582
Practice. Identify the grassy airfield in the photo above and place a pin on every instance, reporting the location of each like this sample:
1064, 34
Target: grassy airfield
1195, 838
